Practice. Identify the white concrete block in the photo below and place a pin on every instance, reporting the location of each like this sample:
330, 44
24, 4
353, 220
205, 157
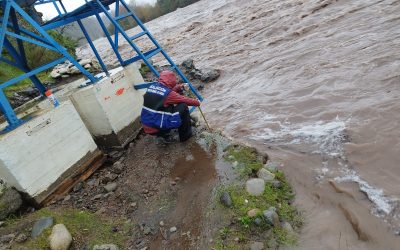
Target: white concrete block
34, 156
111, 108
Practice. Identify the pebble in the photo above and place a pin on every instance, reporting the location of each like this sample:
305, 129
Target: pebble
253, 212
97, 197
173, 229
67, 198
105, 247
258, 221
111, 187
60, 238
21, 238
236, 239
6, 238
235, 164
272, 217
255, 186
277, 184
40, 225
286, 225
225, 199
257, 246
161, 223
265, 175
173, 183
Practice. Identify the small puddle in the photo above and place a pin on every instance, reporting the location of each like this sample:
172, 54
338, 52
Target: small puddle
197, 176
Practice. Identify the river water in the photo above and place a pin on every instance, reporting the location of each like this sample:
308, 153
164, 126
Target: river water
316, 84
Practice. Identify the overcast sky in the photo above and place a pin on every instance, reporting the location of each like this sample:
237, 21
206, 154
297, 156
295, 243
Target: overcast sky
49, 11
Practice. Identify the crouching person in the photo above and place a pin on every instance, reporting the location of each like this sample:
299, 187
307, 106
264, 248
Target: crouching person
165, 109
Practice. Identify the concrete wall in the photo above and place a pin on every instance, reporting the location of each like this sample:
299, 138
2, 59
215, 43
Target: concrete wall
35, 155
111, 108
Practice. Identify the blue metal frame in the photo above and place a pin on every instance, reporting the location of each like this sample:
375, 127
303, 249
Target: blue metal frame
10, 28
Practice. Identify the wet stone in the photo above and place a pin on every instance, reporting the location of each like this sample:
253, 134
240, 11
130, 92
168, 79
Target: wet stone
255, 186
272, 217
41, 225
225, 199
257, 246
276, 184
265, 175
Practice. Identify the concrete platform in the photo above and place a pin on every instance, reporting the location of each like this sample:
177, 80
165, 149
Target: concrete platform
111, 108
48, 154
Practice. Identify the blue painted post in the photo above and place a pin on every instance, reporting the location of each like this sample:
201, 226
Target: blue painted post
103, 66
9, 113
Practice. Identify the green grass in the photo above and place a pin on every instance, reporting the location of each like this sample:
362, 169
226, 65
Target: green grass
8, 72
87, 229
248, 164
280, 198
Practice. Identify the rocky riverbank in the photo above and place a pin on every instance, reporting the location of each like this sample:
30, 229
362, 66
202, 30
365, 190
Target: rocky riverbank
205, 193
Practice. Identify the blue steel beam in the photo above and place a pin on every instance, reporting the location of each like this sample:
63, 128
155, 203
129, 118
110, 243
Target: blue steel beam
96, 53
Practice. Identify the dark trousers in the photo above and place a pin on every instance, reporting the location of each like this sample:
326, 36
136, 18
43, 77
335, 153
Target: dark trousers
185, 130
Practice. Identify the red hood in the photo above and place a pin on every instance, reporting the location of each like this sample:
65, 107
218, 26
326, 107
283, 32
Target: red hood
168, 79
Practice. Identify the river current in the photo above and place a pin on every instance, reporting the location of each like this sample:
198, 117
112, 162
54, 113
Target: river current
316, 84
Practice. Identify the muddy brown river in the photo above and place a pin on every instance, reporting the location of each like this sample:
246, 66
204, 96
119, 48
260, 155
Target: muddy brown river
316, 84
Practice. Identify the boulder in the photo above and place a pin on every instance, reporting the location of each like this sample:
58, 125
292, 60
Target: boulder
10, 202
266, 175
255, 186
209, 75
60, 238
225, 199
41, 225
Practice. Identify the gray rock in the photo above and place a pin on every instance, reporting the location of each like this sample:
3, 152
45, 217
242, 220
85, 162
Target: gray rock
255, 186
173, 229
10, 202
277, 184
60, 238
21, 238
111, 187
225, 199
265, 175
286, 225
272, 217
78, 187
257, 246
188, 64
105, 247
117, 167
87, 66
258, 221
147, 230
5, 239
41, 225
209, 75
272, 167
67, 198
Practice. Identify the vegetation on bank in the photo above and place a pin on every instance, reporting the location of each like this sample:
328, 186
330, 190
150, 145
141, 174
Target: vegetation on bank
240, 228
87, 228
